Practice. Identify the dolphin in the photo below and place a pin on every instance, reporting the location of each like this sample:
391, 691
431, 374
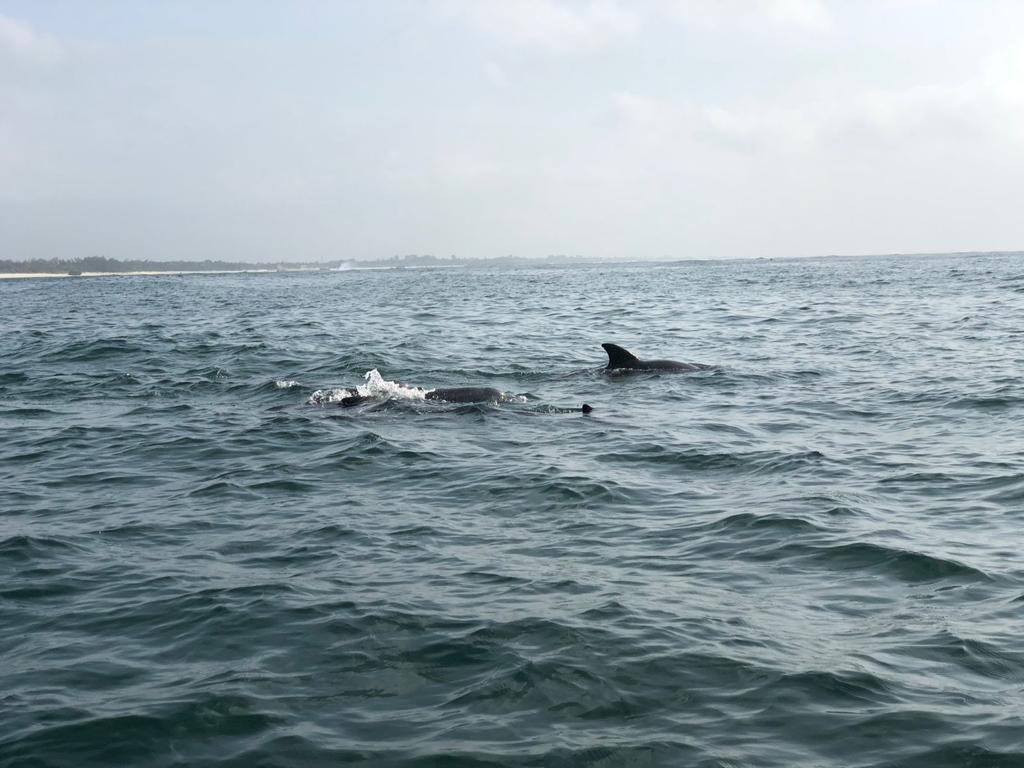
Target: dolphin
444, 394
456, 395
620, 359
378, 389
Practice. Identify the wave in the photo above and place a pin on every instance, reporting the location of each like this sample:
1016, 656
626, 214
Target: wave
831, 688
981, 657
904, 565
13, 377
27, 412
113, 739
756, 462
749, 521
23, 548
95, 350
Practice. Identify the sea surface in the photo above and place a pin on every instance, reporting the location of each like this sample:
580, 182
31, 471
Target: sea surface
809, 555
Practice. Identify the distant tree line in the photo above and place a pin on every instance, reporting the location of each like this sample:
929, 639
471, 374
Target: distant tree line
103, 264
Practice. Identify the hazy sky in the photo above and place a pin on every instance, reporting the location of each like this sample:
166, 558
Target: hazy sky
682, 128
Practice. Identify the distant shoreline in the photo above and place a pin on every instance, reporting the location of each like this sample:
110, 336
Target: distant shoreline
472, 264
173, 272
29, 275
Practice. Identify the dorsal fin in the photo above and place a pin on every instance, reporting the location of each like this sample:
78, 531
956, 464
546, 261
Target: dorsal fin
619, 357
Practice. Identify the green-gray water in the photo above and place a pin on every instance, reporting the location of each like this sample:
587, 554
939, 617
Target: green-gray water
808, 556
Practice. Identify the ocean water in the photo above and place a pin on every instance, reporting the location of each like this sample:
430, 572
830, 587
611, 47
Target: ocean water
807, 556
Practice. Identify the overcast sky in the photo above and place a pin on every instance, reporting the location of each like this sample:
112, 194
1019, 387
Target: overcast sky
668, 128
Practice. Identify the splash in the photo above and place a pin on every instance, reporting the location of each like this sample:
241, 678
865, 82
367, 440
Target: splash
376, 386
328, 396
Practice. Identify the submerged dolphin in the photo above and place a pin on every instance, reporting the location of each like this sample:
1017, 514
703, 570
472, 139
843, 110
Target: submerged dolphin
620, 359
465, 394
456, 395
445, 394
378, 389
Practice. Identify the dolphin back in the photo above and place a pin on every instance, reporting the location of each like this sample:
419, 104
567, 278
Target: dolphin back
465, 395
620, 358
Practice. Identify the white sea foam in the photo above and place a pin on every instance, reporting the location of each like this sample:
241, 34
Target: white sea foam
376, 386
286, 384
327, 396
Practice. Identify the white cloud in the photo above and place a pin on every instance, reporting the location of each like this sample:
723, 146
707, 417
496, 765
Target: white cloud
809, 15
557, 26
495, 74
1003, 76
985, 108
20, 43
751, 129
